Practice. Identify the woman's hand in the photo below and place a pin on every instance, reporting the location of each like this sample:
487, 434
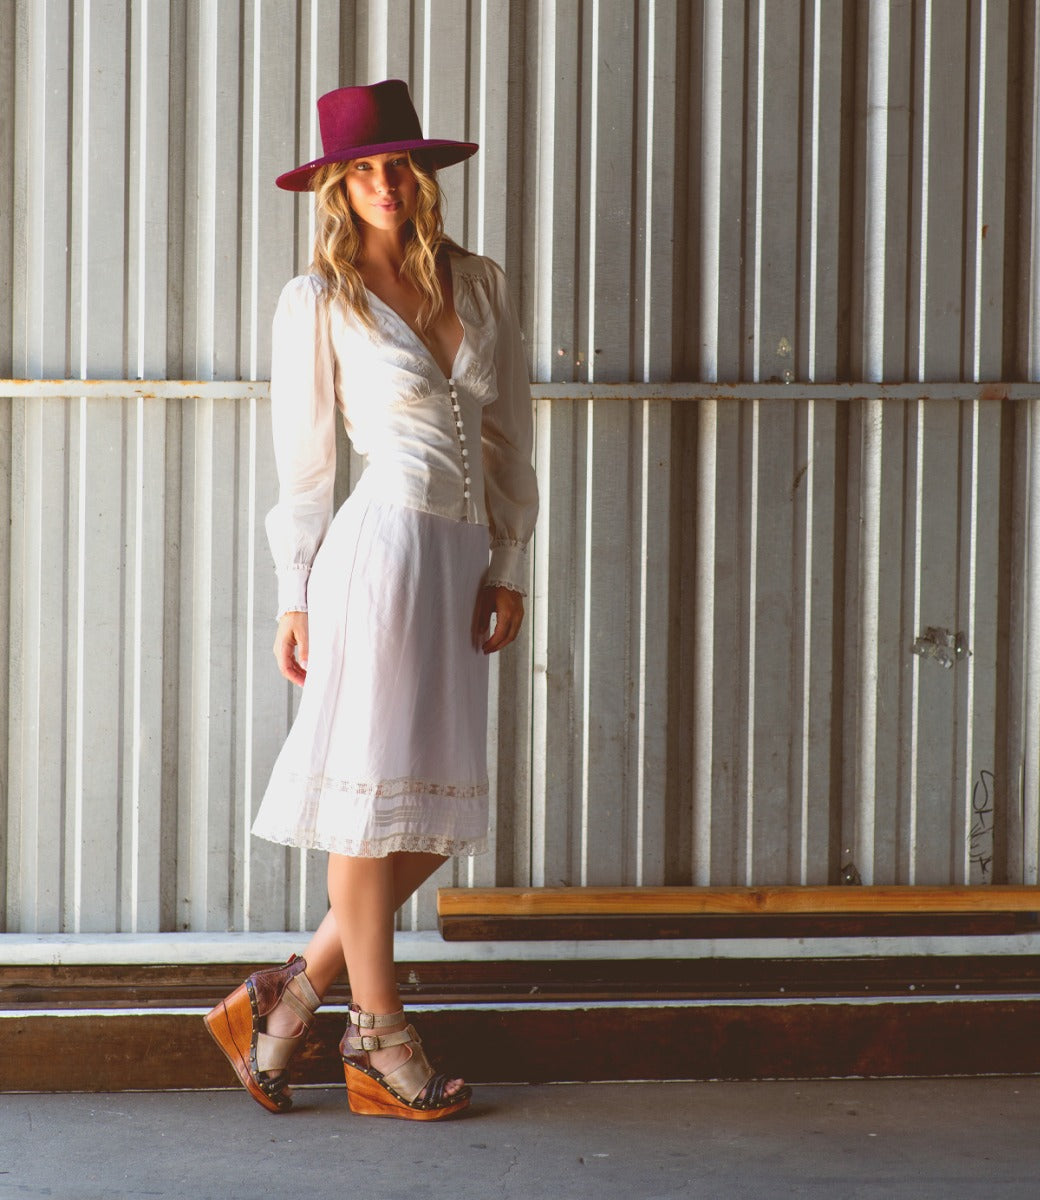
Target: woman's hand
507, 607
292, 637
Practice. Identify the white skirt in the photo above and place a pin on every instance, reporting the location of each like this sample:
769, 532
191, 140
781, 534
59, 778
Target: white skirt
388, 751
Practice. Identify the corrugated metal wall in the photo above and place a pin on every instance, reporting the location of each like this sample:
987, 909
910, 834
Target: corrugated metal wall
716, 683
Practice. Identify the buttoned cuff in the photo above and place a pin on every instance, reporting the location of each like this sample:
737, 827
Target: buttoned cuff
292, 589
508, 567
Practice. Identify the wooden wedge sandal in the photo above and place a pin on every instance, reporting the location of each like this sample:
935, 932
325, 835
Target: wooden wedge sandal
237, 1026
396, 1093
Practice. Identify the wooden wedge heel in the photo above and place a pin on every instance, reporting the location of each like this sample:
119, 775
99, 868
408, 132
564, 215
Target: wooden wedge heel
413, 1091
237, 1024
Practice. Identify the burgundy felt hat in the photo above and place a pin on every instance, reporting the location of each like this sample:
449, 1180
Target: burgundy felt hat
375, 119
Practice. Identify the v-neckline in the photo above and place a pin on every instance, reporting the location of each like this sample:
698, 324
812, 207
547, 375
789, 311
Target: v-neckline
448, 375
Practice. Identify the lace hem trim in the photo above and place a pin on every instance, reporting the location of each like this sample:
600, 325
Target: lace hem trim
408, 843
392, 789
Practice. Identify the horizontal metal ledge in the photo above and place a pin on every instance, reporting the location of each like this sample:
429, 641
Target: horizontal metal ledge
188, 389
58, 949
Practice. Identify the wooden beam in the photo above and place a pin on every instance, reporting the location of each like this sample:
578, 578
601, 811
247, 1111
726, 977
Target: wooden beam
87, 1051
108, 1028
688, 901
669, 926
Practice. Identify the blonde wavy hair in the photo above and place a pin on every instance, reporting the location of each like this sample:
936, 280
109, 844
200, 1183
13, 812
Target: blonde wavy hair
337, 244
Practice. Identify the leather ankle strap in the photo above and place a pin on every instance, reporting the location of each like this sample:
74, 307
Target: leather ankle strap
380, 1041
301, 998
366, 1020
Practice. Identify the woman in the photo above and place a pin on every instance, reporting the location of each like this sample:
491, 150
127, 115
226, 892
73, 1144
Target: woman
388, 611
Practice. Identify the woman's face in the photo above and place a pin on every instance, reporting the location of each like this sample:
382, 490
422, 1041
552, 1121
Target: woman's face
382, 189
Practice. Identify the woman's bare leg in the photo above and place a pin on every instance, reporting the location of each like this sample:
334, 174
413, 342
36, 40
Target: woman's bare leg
365, 893
324, 952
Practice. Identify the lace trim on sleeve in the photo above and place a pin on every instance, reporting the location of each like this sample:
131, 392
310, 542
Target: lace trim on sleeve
505, 583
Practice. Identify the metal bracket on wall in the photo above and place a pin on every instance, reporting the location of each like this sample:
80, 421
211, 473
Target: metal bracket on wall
944, 647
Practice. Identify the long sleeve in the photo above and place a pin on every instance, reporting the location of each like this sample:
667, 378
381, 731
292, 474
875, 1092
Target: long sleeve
303, 416
507, 435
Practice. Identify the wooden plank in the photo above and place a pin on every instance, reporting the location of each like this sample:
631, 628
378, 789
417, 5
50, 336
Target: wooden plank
36, 987
113, 1052
676, 900
751, 925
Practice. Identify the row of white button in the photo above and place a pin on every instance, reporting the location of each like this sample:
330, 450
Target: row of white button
462, 436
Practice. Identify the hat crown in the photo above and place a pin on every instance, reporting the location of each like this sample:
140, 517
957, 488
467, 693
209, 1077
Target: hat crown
367, 116
375, 118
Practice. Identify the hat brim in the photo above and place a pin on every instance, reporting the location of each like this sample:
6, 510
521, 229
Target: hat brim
435, 151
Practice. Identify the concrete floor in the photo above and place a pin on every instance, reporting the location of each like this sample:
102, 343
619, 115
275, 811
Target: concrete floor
947, 1139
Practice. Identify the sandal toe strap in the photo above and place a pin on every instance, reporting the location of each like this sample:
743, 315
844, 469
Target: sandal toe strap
274, 1053
409, 1079
436, 1096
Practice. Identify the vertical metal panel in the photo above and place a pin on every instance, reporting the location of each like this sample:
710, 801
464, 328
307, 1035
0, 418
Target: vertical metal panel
8, 91
722, 333
763, 723
654, 175
1029, 630
987, 143
38, 730
553, 32
825, 164
555, 773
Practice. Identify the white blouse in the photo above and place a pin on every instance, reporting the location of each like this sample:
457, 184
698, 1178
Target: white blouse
417, 430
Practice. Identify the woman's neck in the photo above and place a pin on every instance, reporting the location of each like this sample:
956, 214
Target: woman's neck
383, 252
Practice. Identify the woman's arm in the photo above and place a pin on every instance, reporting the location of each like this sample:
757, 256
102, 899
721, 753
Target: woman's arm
510, 488
303, 415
